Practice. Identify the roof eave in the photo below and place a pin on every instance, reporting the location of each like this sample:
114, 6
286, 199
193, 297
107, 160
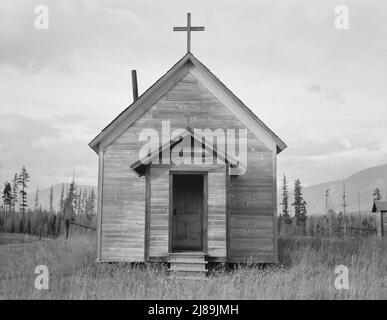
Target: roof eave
94, 144
280, 144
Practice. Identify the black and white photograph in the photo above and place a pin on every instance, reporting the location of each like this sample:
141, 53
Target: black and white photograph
194, 152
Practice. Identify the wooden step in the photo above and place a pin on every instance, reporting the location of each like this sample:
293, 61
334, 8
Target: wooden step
187, 257
189, 278
187, 260
192, 274
183, 264
187, 265
188, 253
192, 254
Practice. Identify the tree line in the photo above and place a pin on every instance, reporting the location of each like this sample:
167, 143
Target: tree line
327, 224
83, 201
75, 205
299, 204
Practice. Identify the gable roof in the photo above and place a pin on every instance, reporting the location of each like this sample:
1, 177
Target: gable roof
379, 206
139, 165
165, 83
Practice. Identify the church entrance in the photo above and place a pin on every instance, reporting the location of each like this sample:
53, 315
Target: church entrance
187, 211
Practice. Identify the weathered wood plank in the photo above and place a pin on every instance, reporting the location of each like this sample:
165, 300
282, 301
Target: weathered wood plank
249, 197
159, 211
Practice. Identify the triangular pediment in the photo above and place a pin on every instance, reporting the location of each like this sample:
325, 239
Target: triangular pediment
187, 65
201, 149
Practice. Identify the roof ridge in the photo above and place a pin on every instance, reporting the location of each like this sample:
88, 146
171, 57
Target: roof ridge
147, 94
179, 61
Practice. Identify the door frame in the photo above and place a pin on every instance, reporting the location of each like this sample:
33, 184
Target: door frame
172, 173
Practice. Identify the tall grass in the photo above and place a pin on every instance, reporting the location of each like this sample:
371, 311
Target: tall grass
306, 271
330, 226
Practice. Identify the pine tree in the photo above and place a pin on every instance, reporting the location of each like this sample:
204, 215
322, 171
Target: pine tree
92, 202
84, 201
7, 196
69, 202
61, 202
76, 198
376, 194
299, 206
23, 178
69, 213
15, 189
36, 201
51, 199
285, 200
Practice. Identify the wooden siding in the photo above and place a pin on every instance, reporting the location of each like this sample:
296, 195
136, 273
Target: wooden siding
123, 203
159, 208
381, 223
159, 211
252, 202
252, 210
217, 213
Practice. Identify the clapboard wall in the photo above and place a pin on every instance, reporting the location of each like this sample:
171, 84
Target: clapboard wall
384, 223
159, 208
252, 203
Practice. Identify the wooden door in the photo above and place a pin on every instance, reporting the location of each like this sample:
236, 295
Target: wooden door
187, 212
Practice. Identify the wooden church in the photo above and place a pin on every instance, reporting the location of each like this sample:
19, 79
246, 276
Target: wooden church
187, 213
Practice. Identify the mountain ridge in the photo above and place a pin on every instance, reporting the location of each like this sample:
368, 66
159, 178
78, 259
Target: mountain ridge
359, 187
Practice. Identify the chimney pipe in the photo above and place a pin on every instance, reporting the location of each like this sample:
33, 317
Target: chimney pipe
134, 85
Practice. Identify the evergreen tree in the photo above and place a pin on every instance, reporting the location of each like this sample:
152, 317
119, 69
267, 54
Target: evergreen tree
285, 200
84, 201
61, 202
69, 213
376, 194
299, 206
51, 199
69, 202
91, 204
36, 201
15, 190
76, 199
23, 178
7, 196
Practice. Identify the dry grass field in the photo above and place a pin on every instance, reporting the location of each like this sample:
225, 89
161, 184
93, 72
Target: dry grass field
306, 272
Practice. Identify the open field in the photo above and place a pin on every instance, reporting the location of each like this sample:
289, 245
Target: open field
306, 272
15, 238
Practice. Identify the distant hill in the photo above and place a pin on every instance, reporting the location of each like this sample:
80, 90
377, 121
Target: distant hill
45, 193
363, 182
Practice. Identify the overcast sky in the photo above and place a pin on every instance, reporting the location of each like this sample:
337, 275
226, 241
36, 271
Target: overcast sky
322, 90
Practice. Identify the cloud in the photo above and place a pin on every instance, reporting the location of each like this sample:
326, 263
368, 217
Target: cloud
75, 28
18, 129
329, 93
314, 88
42, 145
321, 90
324, 146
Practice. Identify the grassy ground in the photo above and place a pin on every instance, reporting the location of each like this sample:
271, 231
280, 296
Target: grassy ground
306, 272
12, 238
